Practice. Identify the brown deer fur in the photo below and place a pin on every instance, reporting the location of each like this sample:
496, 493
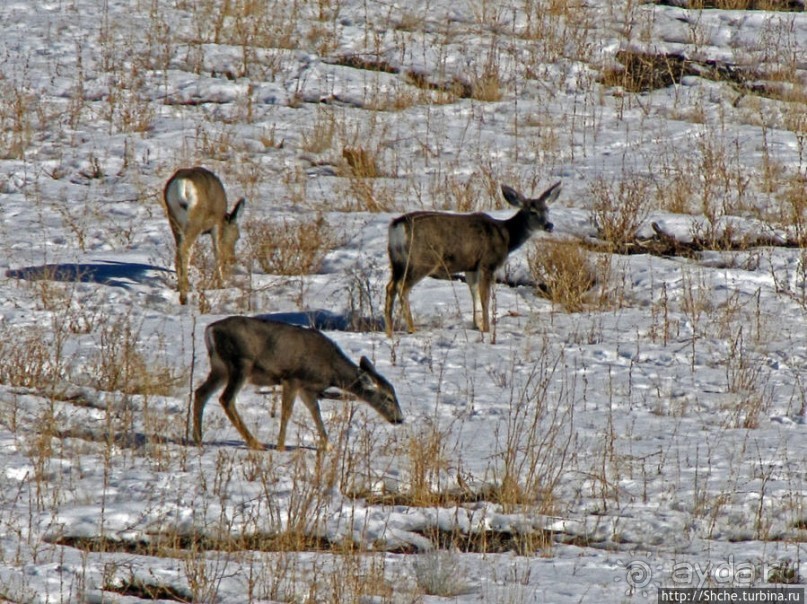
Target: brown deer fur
196, 203
303, 361
428, 243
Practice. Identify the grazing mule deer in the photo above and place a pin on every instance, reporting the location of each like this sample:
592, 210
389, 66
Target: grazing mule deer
302, 360
196, 203
425, 243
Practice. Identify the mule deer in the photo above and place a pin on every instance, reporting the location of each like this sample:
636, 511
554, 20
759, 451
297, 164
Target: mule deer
426, 243
196, 203
300, 359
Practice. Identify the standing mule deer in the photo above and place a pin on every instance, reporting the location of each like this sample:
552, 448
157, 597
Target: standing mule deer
425, 243
196, 203
302, 360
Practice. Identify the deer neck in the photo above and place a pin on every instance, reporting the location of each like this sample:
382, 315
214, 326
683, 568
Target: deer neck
518, 229
346, 376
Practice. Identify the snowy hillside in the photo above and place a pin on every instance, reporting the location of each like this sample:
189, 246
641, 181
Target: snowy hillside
635, 419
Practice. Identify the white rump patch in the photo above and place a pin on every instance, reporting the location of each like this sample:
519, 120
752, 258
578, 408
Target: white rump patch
398, 239
181, 197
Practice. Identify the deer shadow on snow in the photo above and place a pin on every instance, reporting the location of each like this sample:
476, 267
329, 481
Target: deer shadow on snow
326, 320
126, 274
104, 272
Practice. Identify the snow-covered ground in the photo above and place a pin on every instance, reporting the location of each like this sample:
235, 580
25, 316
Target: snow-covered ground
654, 439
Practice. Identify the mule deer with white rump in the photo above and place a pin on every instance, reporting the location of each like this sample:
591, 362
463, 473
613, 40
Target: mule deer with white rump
302, 360
196, 203
426, 243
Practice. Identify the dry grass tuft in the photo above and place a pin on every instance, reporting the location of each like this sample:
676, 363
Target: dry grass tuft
533, 448
445, 92
428, 462
31, 357
642, 71
478, 192
620, 208
16, 126
440, 574
361, 162
487, 87
290, 248
121, 363
367, 195
564, 273
793, 206
321, 136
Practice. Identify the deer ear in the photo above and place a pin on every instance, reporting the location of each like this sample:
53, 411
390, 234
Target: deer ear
368, 374
513, 197
551, 194
367, 377
366, 365
233, 216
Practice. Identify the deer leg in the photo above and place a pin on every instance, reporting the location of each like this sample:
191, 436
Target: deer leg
401, 289
389, 304
310, 400
227, 400
182, 261
185, 243
203, 392
472, 279
288, 395
215, 235
403, 293
485, 278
